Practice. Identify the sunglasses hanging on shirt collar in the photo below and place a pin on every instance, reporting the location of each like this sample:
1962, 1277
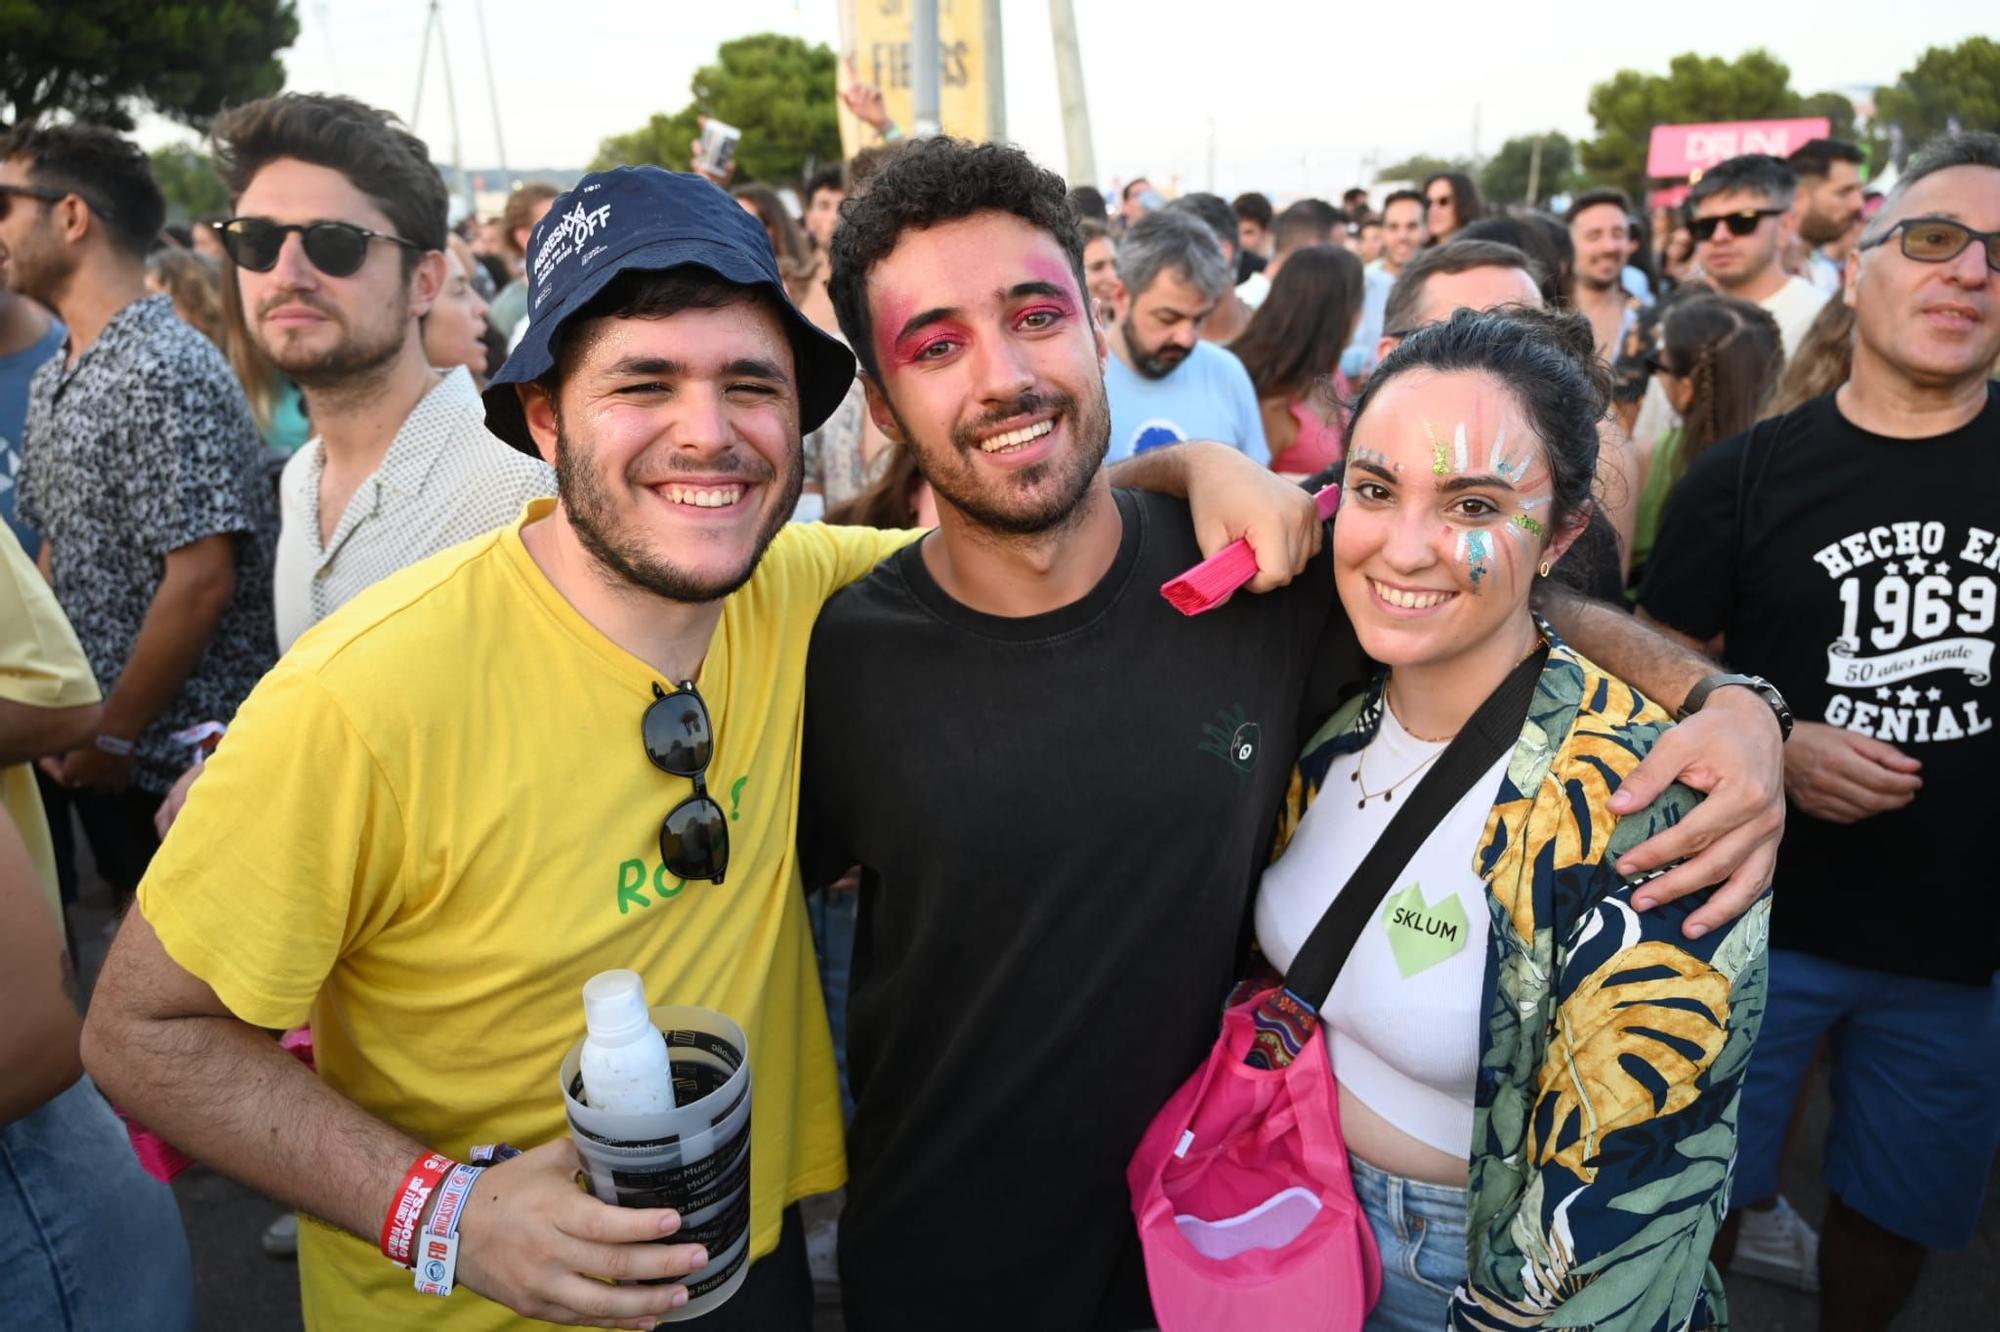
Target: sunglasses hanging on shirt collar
680, 741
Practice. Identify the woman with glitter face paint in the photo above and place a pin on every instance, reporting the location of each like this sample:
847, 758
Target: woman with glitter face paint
1537, 1083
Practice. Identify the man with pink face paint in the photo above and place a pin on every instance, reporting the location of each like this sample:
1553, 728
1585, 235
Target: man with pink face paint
1059, 791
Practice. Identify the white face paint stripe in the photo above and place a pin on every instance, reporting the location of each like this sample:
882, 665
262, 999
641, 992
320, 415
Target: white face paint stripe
1458, 450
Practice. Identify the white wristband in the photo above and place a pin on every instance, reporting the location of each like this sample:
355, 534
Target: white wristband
436, 1256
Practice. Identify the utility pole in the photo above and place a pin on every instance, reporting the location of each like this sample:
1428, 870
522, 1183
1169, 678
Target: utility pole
492, 89
996, 72
1535, 173
1070, 91
924, 67
423, 63
451, 105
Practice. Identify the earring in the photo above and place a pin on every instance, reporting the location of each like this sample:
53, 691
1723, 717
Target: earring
1544, 570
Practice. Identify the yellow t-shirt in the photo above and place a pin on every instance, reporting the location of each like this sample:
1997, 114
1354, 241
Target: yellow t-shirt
434, 820
41, 666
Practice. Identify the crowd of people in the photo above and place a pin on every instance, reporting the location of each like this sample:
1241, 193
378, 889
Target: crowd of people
343, 548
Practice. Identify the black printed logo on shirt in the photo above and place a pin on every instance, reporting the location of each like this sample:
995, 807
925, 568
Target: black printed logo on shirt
1233, 738
1915, 650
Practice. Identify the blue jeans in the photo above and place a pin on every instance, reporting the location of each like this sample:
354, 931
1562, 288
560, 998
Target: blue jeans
1420, 1230
833, 918
88, 1239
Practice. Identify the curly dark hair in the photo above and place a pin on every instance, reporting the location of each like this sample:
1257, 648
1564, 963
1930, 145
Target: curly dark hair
926, 182
1547, 360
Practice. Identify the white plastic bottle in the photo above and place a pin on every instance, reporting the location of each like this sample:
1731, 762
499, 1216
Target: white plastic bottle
624, 1059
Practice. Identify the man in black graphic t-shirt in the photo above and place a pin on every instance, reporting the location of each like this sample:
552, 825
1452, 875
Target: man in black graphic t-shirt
1850, 552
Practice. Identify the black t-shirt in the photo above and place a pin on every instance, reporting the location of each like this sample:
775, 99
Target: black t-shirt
1060, 820
1858, 574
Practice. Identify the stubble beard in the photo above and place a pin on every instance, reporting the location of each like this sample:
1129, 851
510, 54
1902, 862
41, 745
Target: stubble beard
1074, 474
1815, 229
40, 270
624, 559
354, 360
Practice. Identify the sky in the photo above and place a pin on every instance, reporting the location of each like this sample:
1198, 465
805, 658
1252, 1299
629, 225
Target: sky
1284, 96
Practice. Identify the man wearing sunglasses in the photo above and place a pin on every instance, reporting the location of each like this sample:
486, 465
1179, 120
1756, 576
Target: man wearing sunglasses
143, 471
1741, 216
337, 242
1849, 551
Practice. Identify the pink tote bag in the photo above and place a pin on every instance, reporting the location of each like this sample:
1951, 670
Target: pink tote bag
1245, 1206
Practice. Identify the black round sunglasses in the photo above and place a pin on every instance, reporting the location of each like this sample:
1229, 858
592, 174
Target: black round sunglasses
337, 249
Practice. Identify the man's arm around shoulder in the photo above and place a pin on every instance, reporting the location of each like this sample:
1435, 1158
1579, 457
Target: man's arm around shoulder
1731, 749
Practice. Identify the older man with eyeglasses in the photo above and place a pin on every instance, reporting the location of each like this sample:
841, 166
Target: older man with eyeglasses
140, 467
1850, 552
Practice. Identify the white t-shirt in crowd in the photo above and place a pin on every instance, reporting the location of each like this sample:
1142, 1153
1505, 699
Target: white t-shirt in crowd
1404, 1021
1253, 289
1794, 305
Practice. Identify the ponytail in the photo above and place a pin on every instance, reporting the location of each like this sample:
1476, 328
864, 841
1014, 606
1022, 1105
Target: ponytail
1734, 353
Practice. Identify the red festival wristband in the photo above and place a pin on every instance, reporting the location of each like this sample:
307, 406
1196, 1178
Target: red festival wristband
399, 1227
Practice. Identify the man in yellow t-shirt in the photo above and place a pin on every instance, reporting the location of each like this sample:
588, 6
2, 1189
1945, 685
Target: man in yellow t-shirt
435, 819
48, 697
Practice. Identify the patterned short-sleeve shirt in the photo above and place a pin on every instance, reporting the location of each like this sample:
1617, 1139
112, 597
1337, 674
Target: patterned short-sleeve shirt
143, 446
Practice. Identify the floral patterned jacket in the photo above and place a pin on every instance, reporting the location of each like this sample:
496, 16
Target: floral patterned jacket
1604, 1124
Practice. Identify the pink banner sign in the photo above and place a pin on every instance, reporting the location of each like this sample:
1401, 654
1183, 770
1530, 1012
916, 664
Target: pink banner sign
1679, 151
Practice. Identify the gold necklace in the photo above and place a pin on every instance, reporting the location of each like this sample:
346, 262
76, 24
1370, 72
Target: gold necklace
1388, 793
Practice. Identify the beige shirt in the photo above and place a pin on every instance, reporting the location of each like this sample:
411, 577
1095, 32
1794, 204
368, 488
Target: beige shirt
444, 480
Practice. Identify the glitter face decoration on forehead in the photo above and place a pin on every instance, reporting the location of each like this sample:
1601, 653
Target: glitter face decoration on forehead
1373, 457
1509, 464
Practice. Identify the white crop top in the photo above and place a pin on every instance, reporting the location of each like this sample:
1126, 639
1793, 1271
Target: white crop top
1403, 1024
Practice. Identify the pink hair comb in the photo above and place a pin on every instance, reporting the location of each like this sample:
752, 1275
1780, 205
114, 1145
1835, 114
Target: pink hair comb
1216, 578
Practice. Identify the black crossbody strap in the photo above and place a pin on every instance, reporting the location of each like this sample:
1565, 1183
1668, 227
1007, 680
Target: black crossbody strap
1492, 731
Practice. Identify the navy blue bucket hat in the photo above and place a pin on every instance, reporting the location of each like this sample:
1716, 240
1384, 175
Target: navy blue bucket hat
645, 219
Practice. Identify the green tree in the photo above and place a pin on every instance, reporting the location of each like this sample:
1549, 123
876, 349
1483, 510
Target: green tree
662, 141
1694, 90
97, 59
1839, 113
188, 180
1946, 82
1422, 167
776, 89
1504, 179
